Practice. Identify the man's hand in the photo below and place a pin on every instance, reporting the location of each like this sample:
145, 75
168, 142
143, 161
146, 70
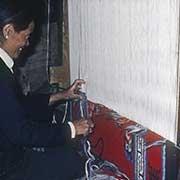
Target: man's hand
83, 126
70, 93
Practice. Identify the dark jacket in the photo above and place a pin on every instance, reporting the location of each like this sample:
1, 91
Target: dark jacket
18, 128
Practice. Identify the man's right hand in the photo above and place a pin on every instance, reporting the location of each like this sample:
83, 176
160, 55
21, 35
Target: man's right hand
82, 126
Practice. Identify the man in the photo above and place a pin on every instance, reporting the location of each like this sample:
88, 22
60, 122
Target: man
19, 131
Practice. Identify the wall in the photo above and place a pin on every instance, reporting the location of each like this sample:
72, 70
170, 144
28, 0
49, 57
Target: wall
44, 65
127, 51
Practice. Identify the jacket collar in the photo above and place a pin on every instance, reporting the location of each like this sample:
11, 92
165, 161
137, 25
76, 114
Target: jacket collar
6, 59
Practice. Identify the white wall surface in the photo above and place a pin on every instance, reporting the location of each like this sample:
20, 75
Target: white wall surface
127, 51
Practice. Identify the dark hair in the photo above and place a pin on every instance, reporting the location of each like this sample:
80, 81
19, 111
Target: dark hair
15, 12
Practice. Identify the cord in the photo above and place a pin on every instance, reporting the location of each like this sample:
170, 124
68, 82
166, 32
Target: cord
65, 113
48, 38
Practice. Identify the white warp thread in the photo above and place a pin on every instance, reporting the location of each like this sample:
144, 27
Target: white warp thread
128, 54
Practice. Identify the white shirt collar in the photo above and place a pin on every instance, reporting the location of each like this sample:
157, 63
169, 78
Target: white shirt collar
7, 59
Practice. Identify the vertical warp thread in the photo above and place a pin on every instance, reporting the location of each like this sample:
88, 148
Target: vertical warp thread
130, 61
48, 38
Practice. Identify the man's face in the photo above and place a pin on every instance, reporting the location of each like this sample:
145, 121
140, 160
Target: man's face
20, 40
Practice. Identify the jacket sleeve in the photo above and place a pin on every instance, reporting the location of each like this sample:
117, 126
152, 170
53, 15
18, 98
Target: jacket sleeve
19, 130
37, 107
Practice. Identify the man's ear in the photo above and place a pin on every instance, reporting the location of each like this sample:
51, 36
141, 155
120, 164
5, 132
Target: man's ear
8, 30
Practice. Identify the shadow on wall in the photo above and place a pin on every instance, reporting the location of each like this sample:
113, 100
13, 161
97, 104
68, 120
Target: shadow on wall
46, 46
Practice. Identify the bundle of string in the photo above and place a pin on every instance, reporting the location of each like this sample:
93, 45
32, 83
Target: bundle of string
85, 141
